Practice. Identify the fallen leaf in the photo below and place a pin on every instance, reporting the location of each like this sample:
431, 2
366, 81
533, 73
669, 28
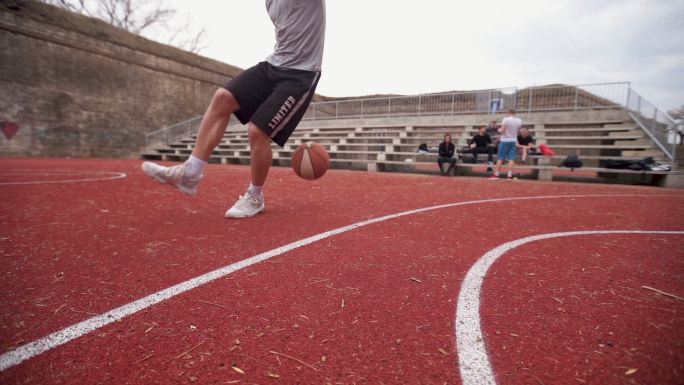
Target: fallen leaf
631, 371
235, 368
443, 351
416, 280
273, 375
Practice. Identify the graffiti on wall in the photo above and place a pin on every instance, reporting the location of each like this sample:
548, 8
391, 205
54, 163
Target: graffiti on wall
9, 129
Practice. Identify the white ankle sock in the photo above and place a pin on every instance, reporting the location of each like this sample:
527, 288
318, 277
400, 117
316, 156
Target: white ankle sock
194, 166
256, 191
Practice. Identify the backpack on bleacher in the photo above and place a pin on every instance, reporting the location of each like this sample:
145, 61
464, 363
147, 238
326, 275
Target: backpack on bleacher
571, 161
618, 163
642, 165
546, 150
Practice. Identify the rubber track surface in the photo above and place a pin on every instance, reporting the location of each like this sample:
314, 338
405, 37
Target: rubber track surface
374, 305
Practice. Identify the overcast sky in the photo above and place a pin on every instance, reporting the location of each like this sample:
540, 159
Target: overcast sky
418, 46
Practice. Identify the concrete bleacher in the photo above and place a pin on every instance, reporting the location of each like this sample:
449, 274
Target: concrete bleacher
391, 145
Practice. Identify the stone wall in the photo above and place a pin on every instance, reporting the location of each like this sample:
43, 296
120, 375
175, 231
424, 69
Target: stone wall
75, 86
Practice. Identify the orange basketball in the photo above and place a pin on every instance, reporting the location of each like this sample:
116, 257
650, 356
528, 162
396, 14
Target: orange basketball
310, 161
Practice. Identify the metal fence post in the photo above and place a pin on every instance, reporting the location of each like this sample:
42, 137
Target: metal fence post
529, 100
420, 103
674, 150
576, 98
489, 103
629, 96
453, 101
389, 107
517, 98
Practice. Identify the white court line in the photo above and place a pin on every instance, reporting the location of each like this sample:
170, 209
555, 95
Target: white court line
63, 336
107, 175
473, 360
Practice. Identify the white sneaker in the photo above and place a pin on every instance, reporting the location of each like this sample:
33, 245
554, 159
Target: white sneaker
174, 175
246, 206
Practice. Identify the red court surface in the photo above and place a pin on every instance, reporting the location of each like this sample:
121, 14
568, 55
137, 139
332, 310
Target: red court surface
374, 304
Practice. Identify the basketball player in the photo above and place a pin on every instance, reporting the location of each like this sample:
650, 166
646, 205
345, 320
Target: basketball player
508, 143
270, 97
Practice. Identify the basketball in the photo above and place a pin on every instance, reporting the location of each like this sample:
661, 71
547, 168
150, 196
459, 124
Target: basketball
310, 161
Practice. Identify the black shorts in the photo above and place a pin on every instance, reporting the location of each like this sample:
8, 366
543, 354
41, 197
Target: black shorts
273, 98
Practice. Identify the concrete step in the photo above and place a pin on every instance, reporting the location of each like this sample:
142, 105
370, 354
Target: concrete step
643, 153
592, 129
634, 132
622, 126
645, 142
592, 137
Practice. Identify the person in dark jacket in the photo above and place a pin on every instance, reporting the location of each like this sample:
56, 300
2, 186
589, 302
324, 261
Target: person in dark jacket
492, 130
482, 144
446, 155
526, 144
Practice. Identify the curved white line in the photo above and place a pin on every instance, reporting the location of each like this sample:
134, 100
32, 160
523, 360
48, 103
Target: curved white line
112, 176
63, 336
473, 360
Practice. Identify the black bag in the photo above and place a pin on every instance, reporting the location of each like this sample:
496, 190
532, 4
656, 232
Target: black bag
642, 165
571, 161
618, 163
423, 147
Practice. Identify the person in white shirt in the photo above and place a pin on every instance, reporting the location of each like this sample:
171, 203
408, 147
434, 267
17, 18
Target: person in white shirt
271, 98
508, 144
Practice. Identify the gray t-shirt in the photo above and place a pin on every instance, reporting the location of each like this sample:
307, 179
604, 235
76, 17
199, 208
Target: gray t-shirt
300, 33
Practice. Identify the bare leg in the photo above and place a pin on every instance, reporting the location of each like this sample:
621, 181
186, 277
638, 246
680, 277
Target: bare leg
498, 167
260, 154
214, 123
510, 166
524, 154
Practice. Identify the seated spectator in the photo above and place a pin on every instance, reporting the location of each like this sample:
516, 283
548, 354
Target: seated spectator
526, 144
482, 144
446, 155
492, 130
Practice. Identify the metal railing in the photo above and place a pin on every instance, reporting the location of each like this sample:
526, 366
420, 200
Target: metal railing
169, 134
658, 125
166, 135
557, 97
